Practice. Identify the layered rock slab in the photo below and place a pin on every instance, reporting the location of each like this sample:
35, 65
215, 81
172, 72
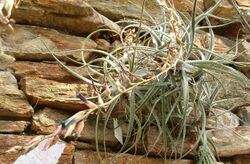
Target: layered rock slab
227, 142
231, 142
241, 159
14, 140
245, 58
218, 118
13, 102
37, 43
13, 126
227, 10
234, 93
155, 144
50, 71
127, 9
72, 16
244, 115
54, 94
107, 158
46, 120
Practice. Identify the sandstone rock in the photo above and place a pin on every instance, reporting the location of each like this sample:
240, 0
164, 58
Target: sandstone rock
88, 134
16, 140
5, 60
222, 119
46, 121
13, 126
127, 9
187, 6
115, 45
132, 9
241, 159
13, 102
54, 94
233, 94
230, 142
71, 16
156, 147
32, 43
226, 10
43, 70
107, 158
242, 3
103, 45
6, 78
217, 118
221, 44
244, 115
245, 58
88, 146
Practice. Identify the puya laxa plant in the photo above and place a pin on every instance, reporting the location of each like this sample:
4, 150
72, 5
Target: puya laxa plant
159, 75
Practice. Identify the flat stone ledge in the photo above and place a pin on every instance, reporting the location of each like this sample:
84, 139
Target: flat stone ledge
13, 102
108, 158
54, 94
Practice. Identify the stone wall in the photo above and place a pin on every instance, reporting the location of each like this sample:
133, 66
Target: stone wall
36, 93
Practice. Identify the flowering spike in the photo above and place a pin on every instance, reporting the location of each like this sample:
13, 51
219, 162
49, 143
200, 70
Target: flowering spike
79, 128
70, 130
58, 130
50, 142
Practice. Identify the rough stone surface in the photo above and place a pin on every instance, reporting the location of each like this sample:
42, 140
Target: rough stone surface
5, 61
241, 159
46, 120
43, 70
13, 126
35, 43
108, 158
226, 10
222, 119
230, 142
132, 9
103, 44
13, 102
71, 16
89, 134
244, 114
218, 118
245, 58
88, 146
187, 6
155, 144
14, 140
234, 93
127, 9
54, 94
221, 44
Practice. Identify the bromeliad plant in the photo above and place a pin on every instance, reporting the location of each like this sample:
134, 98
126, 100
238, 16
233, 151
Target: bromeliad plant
152, 75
